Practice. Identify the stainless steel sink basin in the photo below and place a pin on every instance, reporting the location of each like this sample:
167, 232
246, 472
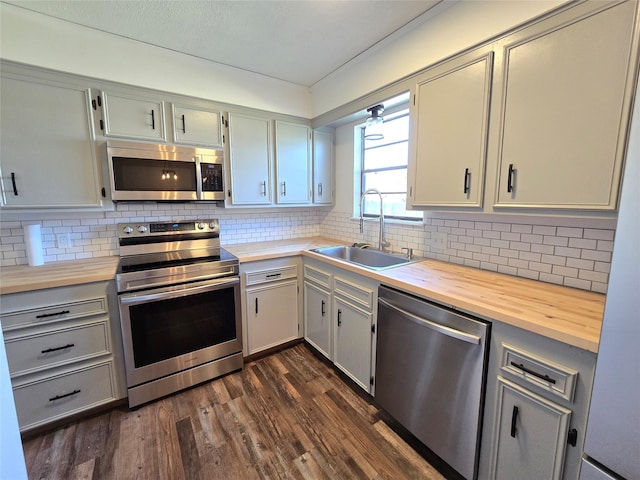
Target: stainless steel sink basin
373, 259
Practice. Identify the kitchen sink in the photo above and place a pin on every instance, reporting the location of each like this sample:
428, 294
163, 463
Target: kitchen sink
365, 257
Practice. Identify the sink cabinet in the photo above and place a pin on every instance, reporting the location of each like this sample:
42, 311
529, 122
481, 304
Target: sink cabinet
340, 319
64, 351
271, 303
536, 406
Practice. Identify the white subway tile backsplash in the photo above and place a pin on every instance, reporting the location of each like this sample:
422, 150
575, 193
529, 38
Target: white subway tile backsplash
598, 234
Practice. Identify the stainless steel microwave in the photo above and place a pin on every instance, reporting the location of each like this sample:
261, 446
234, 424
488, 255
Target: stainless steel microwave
162, 172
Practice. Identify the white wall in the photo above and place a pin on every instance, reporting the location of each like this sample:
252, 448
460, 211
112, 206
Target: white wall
39, 40
456, 26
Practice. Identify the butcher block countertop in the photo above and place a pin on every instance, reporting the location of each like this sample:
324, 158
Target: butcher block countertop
569, 315
565, 314
22, 278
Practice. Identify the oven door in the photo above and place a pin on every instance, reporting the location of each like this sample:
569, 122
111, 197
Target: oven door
175, 328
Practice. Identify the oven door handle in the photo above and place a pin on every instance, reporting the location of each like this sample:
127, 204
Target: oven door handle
174, 292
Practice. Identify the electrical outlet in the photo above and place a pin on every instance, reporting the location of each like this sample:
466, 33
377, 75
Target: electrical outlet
63, 240
439, 240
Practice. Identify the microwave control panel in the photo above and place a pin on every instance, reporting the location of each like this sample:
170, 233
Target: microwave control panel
211, 177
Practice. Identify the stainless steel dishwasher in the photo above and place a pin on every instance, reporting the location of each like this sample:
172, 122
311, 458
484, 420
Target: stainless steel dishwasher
430, 375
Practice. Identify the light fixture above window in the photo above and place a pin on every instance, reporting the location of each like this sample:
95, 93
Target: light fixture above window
373, 128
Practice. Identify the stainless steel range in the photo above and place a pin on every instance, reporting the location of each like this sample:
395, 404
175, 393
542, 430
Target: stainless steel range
179, 297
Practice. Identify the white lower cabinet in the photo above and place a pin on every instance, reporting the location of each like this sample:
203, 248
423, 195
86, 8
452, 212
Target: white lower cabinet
271, 303
536, 407
64, 351
340, 317
531, 434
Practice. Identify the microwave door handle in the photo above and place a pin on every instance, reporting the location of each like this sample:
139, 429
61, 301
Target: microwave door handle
213, 285
199, 194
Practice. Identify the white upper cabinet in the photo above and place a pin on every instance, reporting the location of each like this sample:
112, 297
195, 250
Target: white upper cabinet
194, 126
448, 138
293, 163
322, 168
47, 155
250, 160
563, 90
133, 117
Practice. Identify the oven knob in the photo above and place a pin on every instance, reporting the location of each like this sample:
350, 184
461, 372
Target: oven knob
142, 228
127, 230
213, 225
201, 226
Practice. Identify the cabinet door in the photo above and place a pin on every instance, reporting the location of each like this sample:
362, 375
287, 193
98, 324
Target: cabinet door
46, 151
563, 121
322, 168
250, 160
272, 315
317, 317
136, 118
531, 435
192, 126
293, 163
448, 148
352, 341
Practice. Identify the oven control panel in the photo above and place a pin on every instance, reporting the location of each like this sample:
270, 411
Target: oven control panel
211, 226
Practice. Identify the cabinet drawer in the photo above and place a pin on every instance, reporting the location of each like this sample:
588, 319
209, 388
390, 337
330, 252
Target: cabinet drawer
357, 294
47, 400
271, 275
534, 370
35, 352
54, 313
317, 276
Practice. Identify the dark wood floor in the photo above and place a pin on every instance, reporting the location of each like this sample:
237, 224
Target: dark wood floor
287, 415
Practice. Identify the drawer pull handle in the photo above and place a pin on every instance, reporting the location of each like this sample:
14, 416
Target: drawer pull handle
546, 378
514, 418
273, 275
45, 315
58, 397
49, 350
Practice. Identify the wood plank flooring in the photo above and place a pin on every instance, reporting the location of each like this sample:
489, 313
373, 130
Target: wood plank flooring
285, 416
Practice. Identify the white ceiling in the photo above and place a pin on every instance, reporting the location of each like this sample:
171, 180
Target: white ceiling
299, 41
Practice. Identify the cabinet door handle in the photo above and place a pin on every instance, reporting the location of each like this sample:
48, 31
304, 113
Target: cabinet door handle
55, 349
184, 126
320, 189
544, 377
510, 178
322, 308
466, 180
273, 275
13, 183
514, 418
58, 397
264, 188
339, 317
284, 189
256, 305
153, 120
45, 315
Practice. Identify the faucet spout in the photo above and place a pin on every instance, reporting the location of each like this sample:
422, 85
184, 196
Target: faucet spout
381, 240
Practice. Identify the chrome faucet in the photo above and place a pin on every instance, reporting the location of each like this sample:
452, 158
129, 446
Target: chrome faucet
381, 241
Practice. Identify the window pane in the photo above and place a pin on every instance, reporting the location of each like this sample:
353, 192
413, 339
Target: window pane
394, 205
386, 181
386, 156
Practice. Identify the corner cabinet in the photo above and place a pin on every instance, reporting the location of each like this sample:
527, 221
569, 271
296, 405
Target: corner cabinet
563, 106
64, 350
536, 406
448, 144
293, 163
323, 159
271, 303
340, 319
47, 155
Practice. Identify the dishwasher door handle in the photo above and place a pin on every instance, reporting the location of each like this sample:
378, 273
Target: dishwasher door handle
448, 331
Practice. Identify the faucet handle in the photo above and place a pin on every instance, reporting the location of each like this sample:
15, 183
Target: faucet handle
409, 252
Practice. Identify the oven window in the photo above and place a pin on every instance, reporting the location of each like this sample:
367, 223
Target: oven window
144, 175
168, 328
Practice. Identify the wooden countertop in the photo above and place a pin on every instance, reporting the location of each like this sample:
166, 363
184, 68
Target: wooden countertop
565, 314
569, 315
22, 278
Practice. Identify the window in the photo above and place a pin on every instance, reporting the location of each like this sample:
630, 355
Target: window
384, 167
